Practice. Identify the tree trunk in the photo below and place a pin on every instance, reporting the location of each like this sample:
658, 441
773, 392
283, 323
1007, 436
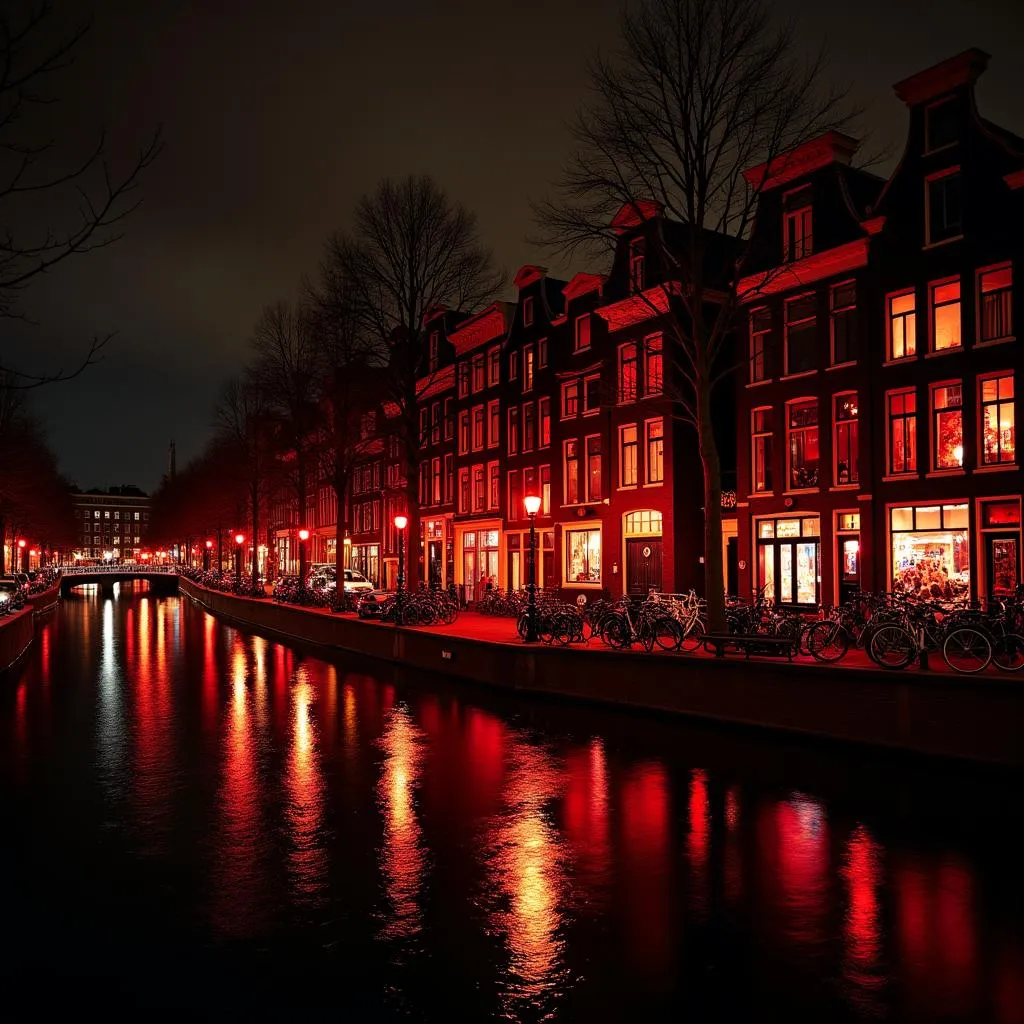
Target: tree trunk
340, 485
714, 583
254, 495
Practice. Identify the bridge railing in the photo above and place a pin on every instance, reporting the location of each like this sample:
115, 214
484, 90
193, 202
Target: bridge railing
120, 569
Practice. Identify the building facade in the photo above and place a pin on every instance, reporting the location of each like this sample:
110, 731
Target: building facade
111, 524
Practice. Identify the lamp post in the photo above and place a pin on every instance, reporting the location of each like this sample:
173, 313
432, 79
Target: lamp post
303, 537
206, 556
532, 503
401, 522
24, 555
239, 541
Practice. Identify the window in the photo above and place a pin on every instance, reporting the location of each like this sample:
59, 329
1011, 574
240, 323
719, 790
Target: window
940, 125
995, 304
117, 515
931, 551
424, 496
106, 515
594, 467
942, 206
528, 311
591, 394
544, 408
802, 441
570, 399
513, 366
449, 420
627, 372
655, 438
529, 481
435, 422
572, 472
449, 478
478, 427
464, 489
653, 376
529, 426
463, 431
760, 332
636, 265
545, 490
515, 497
478, 372
493, 365
581, 339
843, 316
493, 423
435, 481
582, 556
96, 514
945, 315
479, 495
902, 326
542, 353
844, 451
528, 368
627, 455
801, 334
493, 485
796, 223
463, 380
434, 349
902, 416
761, 451
788, 559
997, 420
513, 431
947, 427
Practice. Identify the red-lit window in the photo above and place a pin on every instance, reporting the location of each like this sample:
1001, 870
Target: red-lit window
479, 380
570, 399
995, 304
845, 432
435, 481
947, 426
493, 365
493, 485
655, 436
627, 372
902, 325
479, 488
761, 451
449, 478
594, 467
493, 423
545, 490
998, 433
902, 416
515, 502
544, 408
513, 431
628, 455
653, 367
760, 333
478, 427
945, 302
571, 463
802, 443
582, 337
463, 431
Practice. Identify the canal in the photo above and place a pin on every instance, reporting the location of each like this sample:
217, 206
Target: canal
195, 815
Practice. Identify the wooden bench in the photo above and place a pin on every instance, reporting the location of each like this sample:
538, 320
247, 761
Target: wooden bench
752, 643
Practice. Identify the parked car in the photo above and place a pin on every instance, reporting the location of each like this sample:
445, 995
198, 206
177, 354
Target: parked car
356, 583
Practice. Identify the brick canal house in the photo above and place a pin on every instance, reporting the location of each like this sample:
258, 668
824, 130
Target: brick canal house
879, 394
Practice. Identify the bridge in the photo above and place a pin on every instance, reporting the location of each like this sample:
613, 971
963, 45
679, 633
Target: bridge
161, 578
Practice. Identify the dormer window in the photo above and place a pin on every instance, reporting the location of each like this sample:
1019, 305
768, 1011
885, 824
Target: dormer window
582, 339
797, 235
636, 265
940, 125
528, 311
434, 346
942, 207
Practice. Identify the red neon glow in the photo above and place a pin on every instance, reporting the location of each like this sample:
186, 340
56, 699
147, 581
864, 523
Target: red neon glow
21, 543
239, 538
303, 534
209, 544
862, 928
401, 522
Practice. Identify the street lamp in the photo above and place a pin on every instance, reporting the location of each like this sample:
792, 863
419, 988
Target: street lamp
532, 503
239, 541
401, 522
303, 537
24, 555
206, 556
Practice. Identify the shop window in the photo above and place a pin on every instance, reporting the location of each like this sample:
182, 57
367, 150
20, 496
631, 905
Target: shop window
515, 497
636, 265
655, 437
513, 431
997, 420
593, 444
653, 365
943, 207
940, 125
931, 552
628, 455
802, 444
843, 322
845, 450
571, 467
544, 408
1001, 547
801, 334
945, 302
493, 423
528, 368
761, 451
788, 560
582, 556
529, 426
947, 427
902, 414
581, 338
591, 394
627, 372
570, 399
902, 325
528, 311
995, 304
798, 237
493, 365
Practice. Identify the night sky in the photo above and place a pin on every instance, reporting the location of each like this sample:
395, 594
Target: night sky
277, 116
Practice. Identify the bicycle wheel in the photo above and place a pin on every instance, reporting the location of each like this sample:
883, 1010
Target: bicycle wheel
693, 637
668, 634
827, 641
1008, 652
616, 632
892, 646
521, 626
967, 650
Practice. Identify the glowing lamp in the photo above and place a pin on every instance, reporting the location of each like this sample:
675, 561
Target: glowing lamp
532, 503
401, 522
209, 544
32, 552
21, 543
958, 454
303, 534
239, 539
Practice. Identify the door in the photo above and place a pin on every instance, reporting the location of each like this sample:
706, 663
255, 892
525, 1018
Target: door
789, 572
515, 579
1002, 557
643, 565
732, 570
434, 564
469, 575
848, 560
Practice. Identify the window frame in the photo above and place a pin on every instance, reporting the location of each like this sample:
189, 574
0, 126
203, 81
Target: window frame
465, 432
998, 403
481, 421
946, 101
587, 456
979, 303
834, 314
567, 386
493, 430
583, 320
759, 352
494, 366
787, 325
904, 417
650, 481
544, 422
853, 466
654, 352
890, 316
566, 534
637, 265
512, 437
527, 310
567, 500
801, 215
929, 181
587, 408
933, 415
529, 368
932, 306
765, 434
623, 483
803, 400
622, 397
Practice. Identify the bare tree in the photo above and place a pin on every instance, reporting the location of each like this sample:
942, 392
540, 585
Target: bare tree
36, 180
699, 92
410, 249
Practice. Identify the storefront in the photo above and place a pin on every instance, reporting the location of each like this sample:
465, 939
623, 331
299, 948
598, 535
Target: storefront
365, 558
931, 551
517, 554
788, 567
848, 555
999, 520
581, 556
478, 556
435, 560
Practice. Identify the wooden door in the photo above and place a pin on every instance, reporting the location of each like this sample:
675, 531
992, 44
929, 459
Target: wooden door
643, 565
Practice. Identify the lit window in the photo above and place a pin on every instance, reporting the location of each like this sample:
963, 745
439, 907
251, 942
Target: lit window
582, 556
798, 238
843, 322
995, 303
545, 490
494, 485
627, 372
945, 315
997, 420
449, 478
628, 455
653, 367
844, 457
464, 490
801, 334
761, 463
802, 439
479, 494
96, 514
106, 515
655, 437
931, 551
570, 399
571, 464
494, 423
902, 326
513, 430
581, 340
942, 197
594, 468
947, 427
515, 501
528, 311
544, 408
636, 265
760, 332
528, 368
902, 414
435, 481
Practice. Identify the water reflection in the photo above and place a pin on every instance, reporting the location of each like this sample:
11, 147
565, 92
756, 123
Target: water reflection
308, 855
111, 732
862, 929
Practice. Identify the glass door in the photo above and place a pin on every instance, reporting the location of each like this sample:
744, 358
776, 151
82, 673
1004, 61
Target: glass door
785, 595
1003, 557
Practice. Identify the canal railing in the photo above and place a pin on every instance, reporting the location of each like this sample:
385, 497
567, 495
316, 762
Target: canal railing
119, 569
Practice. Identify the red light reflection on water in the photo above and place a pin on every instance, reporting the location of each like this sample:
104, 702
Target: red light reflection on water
304, 781
862, 930
733, 857
698, 839
586, 818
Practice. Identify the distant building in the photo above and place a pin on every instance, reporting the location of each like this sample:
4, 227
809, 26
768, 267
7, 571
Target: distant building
115, 520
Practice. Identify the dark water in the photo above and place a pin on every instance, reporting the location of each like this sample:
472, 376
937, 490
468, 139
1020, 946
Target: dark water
199, 818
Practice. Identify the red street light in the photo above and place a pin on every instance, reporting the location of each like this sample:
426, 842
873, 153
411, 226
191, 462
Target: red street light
401, 522
21, 543
532, 503
33, 552
239, 538
209, 544
303, 534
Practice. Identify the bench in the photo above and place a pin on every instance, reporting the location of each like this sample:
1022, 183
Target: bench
752, 643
